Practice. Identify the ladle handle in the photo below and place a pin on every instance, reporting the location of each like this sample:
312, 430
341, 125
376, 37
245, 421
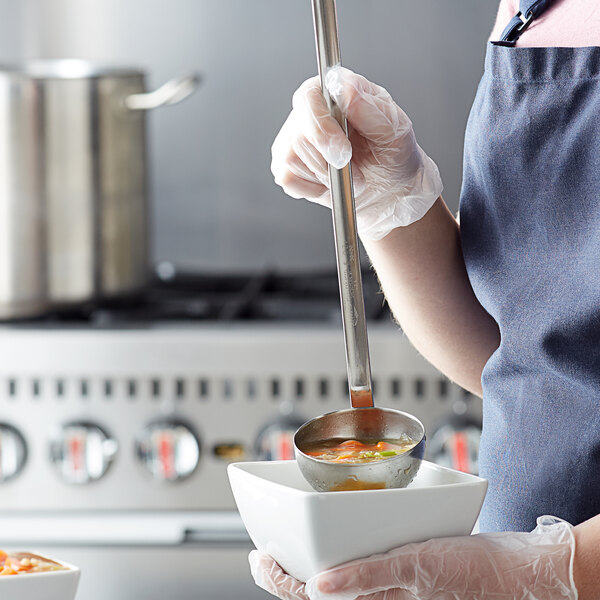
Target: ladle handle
344, 223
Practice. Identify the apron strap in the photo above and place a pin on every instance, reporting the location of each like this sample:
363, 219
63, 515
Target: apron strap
528, 11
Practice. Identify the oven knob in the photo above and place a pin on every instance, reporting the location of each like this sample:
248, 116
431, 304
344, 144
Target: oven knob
82, 452
13, 452
169, 450
454, 442
276, 439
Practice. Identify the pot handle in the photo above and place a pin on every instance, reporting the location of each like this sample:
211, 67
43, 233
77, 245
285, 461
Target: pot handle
172, 92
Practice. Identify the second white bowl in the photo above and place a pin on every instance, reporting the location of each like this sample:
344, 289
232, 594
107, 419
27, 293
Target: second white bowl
50, 585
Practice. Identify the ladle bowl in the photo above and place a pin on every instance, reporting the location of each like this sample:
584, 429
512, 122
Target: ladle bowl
360, 424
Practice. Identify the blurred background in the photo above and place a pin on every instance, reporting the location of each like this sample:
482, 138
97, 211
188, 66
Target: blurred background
126, 389
215, 206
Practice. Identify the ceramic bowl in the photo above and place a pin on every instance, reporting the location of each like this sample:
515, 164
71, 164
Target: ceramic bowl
307, 532
52, 585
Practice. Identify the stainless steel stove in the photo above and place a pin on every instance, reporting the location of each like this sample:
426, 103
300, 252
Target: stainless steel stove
117, 422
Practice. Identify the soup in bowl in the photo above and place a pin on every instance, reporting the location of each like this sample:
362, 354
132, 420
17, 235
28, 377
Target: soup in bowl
31, 576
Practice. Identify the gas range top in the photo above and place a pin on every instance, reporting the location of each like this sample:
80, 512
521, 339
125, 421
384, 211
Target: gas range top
189, 297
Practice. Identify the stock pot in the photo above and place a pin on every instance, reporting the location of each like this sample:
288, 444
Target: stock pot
73, 183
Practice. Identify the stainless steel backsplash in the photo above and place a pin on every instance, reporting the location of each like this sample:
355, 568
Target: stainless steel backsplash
215, 204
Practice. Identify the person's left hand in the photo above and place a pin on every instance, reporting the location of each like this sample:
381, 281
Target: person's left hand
502, 566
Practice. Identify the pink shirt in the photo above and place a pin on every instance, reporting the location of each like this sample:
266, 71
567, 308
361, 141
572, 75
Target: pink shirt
566, 23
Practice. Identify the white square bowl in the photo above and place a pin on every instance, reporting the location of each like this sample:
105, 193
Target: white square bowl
51, 585
307, 532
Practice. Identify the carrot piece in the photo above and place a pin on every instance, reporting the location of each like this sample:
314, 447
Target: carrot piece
383, 446
351, 444
345, 456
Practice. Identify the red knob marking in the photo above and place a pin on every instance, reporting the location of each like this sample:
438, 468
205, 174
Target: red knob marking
286, 452
166, 455
460, 451
75, 452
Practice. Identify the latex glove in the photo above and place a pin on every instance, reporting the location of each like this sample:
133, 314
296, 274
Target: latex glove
395, 182
498, 566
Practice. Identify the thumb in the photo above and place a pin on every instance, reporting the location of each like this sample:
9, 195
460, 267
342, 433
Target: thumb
368, 107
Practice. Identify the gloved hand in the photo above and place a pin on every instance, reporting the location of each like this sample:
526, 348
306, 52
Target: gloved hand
395, 182
499, 566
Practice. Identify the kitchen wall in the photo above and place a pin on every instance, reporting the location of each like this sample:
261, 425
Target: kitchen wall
215, 206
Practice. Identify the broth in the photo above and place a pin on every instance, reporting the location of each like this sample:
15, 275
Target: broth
343, 451
355, 485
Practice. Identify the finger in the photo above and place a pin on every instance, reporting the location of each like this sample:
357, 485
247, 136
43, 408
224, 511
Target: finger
291, 172
294, 155
313, 159
395, 594
368, 107
272, 578
319, 168
293, 152
300, 187
318, 126
378, 573
298, 167
392, 594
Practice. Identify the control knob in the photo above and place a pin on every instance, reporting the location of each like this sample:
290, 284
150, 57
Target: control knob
275, 441
454, 442
169, 450
82, 452
13, 452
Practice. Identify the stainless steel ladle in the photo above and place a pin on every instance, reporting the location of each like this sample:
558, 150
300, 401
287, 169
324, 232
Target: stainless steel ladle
363, 420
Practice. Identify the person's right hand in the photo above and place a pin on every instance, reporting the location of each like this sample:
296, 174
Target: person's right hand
395, 182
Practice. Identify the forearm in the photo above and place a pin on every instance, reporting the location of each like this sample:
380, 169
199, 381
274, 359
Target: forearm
586, 566
423, 275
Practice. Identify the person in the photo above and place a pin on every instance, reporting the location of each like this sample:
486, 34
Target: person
505, 300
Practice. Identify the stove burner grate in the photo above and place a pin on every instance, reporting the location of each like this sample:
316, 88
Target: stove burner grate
266, 296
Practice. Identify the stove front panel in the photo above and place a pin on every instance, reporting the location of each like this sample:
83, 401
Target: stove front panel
149, 418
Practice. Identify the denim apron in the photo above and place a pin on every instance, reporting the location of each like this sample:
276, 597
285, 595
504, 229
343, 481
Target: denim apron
530, 227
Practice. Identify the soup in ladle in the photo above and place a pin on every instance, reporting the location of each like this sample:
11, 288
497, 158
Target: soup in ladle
342, 451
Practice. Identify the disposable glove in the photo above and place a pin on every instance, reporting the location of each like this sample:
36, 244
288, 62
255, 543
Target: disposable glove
493, 566
395, 182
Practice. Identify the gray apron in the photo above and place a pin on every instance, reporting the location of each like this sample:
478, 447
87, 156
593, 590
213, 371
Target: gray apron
530, 227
